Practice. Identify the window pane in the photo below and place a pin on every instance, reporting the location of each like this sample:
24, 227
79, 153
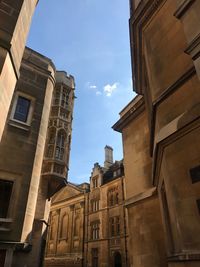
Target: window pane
22, 109
5, 193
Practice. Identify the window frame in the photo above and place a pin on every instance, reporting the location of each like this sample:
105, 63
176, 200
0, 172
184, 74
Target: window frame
115, 229
95, 230
95, 181
94, 204
30, 111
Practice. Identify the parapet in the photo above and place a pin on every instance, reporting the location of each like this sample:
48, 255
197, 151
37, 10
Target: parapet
64, 78
38, 60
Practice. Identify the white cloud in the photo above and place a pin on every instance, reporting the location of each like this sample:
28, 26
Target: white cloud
98, 93
93, 87
109, 89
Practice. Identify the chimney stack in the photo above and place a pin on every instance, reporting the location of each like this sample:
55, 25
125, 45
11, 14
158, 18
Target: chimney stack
108, 156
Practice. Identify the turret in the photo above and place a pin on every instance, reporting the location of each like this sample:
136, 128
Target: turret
58, 144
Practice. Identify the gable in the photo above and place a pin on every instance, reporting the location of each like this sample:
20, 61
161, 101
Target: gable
66, 192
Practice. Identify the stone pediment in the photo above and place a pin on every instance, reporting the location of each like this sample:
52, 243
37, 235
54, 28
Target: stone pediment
67, 192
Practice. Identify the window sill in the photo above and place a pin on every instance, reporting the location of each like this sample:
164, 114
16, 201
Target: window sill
5, 224
5, 220
20, 125
4, 229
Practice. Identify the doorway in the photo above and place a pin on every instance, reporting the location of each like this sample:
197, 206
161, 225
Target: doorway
117, 259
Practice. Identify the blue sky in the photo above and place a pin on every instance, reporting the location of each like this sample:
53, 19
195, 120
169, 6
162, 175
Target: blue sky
90, 40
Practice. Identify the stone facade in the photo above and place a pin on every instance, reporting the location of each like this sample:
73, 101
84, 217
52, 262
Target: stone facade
165, 61
105, 219
94, 231
25, 190
146, 234
15, 20
66, 227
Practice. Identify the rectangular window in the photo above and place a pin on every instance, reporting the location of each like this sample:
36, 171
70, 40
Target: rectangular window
114, 226
22, 109
5, 194
94, 205
113, 196
95, 230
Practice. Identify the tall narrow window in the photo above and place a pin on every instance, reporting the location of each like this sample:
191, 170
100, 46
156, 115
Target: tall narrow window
114, 226
95, 230
52, 135
117, 221
94, 205
60, 144
95, 181
117, 198
22, 109
113, 196
5, 194
57, 97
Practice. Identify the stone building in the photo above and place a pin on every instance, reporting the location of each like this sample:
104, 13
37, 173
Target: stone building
165, 51
105, 218
88, 221
26, 188
146, 234
65, 242
15, 20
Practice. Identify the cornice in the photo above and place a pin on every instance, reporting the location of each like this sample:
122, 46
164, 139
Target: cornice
130, 115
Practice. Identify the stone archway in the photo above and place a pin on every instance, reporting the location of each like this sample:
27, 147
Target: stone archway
117, 259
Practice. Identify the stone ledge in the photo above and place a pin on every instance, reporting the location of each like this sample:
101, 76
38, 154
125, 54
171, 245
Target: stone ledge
140, 197
19, 125
190, 256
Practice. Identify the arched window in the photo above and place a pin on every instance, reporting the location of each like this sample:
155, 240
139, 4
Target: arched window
60, 145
